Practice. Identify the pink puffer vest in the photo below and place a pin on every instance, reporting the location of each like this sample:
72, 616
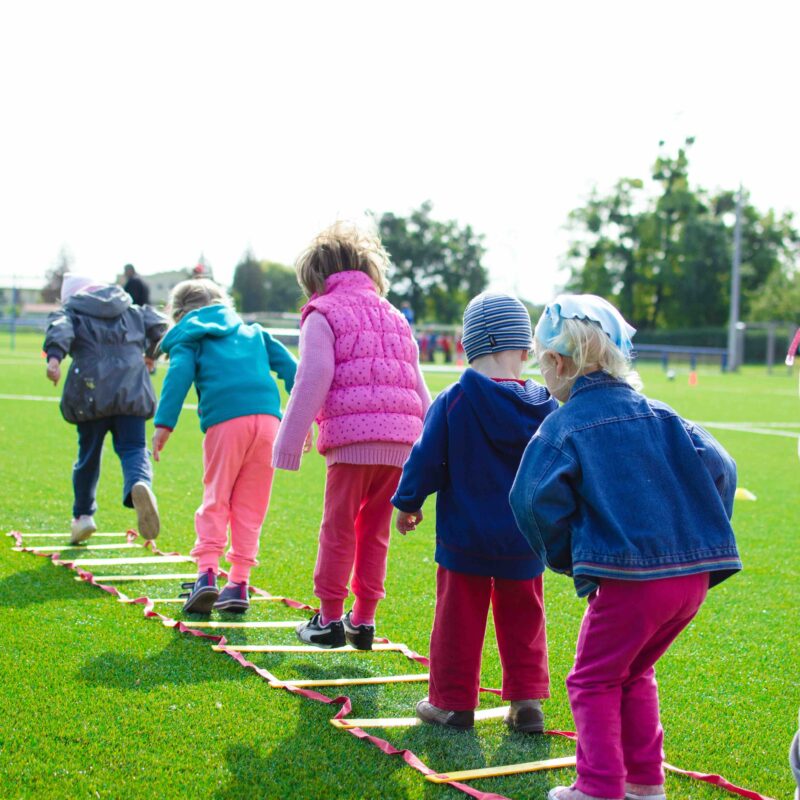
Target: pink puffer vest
373, 396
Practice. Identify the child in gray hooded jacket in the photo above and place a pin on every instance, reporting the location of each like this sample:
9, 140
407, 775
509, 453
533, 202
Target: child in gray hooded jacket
107, 389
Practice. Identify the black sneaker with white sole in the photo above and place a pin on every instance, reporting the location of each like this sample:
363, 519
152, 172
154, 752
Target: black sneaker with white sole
325, 636
234, 597
359, 636
203, 594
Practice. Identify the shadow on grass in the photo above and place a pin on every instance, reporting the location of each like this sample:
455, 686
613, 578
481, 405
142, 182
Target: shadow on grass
41, 585
178, 664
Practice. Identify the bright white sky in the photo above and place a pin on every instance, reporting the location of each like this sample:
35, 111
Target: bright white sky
151, 131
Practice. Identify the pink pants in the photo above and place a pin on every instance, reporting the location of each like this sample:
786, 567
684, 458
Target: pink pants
612, 687
354, 537
459, 627
237, 480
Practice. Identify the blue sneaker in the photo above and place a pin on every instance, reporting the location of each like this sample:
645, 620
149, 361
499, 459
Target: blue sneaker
203, 594
234, 597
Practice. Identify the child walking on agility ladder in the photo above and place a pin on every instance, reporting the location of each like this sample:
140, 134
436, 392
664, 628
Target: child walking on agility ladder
359, 376
239, 407
473, 439
633, 502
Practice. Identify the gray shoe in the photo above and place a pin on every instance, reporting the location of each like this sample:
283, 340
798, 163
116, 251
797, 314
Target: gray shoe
525, 716
460, 720
144, 501
82, 528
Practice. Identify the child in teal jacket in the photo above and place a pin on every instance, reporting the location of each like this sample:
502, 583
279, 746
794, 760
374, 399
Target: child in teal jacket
229, 362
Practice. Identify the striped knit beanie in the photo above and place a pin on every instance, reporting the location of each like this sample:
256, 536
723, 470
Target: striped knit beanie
494, 322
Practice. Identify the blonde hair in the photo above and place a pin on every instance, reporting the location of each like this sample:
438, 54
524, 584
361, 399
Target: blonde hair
193, 294
342, 246
588, 345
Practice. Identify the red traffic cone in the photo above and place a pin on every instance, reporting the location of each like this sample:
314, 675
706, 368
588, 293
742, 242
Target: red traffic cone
693, 378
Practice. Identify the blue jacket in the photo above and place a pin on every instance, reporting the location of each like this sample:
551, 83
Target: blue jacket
616, 485
474, 435
229, 363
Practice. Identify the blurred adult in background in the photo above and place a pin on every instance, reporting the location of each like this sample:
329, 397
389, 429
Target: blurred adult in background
136, 287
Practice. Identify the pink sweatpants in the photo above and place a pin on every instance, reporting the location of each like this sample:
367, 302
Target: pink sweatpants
612, 688
459, 627
354, 537
237, 480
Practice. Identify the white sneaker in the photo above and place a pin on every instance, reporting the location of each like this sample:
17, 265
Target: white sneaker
144, 501
82, 528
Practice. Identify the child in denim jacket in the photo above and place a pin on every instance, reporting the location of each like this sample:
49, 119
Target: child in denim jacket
633, 502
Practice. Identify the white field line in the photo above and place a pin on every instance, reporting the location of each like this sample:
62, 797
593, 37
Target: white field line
763, 429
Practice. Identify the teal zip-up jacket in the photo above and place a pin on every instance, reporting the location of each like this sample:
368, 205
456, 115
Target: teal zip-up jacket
229, 362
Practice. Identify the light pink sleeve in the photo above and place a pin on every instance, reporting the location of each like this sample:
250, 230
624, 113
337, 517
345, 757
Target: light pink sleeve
311, 385
422, 390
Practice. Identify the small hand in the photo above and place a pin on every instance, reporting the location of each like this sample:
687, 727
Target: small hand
407, 521
309, 442
54, 370
159, 440
150, 363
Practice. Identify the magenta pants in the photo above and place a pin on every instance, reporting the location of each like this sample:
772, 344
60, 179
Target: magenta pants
612, 688
354, 536
459, 627
237, 480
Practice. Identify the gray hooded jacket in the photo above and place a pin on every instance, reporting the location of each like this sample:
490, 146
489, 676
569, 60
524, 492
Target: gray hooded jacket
107, 336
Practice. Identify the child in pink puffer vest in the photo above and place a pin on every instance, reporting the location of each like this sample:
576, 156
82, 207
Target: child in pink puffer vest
359, 378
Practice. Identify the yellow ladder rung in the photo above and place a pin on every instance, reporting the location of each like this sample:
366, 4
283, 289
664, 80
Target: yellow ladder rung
496, 772
107, 562
248, 624
82, 546
168, 576
408, 722
66, 535
375, 679
254, 599
301, 648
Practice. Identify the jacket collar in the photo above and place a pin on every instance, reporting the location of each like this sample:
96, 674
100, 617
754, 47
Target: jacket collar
596, 380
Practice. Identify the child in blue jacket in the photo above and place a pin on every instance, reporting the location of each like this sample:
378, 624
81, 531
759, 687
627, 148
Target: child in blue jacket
240, 410
473, 439
633, 502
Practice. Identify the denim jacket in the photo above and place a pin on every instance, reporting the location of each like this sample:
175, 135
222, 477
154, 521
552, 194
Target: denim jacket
614, 485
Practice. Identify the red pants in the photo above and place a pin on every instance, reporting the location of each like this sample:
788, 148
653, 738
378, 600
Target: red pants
459, 627
354, 536
237, 481
612, 687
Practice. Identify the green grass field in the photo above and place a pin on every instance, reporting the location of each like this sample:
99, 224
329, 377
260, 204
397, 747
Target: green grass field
98, 702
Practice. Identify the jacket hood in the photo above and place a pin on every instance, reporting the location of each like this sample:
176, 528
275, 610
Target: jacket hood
508, 413
106, 302
216, 320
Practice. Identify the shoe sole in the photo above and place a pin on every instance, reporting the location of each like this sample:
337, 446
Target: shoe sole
147, 519
524, 728
361, 641
232, 606
450, 725
202, 602
81, 537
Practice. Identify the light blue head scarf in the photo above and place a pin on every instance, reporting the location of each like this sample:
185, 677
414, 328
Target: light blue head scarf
582, 306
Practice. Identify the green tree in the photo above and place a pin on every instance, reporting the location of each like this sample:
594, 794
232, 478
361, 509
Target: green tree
265, 286
436, 266
283, 293
249, 291
664, 257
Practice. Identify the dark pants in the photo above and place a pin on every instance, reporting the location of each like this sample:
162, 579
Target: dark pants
129, 444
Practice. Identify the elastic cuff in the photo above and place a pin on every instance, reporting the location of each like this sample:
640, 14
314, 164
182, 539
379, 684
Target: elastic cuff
57, 354
284, 460
331, 609
165, 427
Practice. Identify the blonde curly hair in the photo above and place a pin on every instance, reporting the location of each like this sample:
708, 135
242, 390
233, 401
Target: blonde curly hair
193, 294
342, 246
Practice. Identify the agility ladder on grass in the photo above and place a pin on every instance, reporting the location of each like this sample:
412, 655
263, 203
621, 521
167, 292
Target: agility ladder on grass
305, 688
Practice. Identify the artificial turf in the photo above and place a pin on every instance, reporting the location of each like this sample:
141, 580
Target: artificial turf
98, 702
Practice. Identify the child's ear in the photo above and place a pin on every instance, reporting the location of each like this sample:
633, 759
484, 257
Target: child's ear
560, 363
